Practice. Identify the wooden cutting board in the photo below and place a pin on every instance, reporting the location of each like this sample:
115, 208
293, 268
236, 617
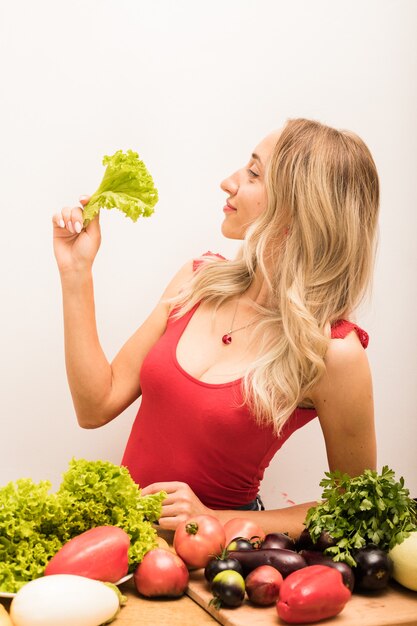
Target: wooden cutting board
395, 606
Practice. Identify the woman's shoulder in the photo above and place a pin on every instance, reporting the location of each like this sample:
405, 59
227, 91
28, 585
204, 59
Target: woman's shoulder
207, 256
185, 274
347, 365
345, 354
177, 282
342, 328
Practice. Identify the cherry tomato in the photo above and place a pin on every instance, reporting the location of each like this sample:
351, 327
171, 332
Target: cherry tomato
263, 584
228, 589
242, 527
161, 573
240, 544
219, 564
198, 539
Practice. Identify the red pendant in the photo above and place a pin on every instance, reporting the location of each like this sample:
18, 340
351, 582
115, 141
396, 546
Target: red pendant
227, 339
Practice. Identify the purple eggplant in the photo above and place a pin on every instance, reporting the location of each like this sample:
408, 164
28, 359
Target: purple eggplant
314, 557
305, 542
373, 568
285, 561
278, 540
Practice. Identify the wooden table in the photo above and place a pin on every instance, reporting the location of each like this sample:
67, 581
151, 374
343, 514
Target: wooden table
394, 607
142, 612
164, 612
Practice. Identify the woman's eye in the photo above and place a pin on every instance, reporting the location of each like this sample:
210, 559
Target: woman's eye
252, 173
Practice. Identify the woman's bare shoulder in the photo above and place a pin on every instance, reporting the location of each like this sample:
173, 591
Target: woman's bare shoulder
344, 352
181, 278
347, 366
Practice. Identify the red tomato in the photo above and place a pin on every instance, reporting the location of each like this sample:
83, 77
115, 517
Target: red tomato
263, 584
100, 553
242, 527
161, 573
199, 539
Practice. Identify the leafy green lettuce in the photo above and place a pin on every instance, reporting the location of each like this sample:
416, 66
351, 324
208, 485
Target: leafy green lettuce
34, 523
28, 513
126, 185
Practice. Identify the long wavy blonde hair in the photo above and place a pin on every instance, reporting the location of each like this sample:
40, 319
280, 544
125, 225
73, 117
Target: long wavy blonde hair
323, 192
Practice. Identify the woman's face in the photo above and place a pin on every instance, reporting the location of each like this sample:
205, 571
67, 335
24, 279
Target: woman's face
246, 190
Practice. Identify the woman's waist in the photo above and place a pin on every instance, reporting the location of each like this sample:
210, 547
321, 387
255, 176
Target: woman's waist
217, 488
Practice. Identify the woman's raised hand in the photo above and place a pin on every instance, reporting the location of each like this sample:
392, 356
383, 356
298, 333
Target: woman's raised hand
75, 247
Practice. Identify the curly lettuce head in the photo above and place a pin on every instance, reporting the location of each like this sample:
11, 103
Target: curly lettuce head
127, 185
34, 523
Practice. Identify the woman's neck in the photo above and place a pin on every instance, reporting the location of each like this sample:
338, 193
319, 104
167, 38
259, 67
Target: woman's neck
259, 290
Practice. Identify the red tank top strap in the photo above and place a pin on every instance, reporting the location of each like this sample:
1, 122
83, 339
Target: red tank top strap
198, 262
342, 328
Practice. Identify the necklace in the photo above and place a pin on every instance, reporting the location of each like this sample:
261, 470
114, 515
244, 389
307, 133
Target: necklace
227, 337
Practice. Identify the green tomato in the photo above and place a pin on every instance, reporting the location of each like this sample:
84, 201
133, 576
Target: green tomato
228, 588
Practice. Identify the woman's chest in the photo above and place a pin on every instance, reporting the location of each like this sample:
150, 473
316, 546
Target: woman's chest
202, 351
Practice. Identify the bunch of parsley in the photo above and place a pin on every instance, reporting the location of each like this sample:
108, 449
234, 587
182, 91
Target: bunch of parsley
370, 508
35, 524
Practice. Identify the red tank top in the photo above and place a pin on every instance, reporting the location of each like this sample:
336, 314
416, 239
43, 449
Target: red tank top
200, 433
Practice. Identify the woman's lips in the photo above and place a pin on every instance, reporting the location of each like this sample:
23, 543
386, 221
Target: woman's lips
228, 208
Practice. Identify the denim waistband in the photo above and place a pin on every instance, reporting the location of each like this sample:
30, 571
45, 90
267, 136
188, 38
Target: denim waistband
253, 505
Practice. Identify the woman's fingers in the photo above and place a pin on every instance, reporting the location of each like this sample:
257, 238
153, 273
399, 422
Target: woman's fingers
71, 219
58, 220
169, 523
169, 487
84, 200
77, 219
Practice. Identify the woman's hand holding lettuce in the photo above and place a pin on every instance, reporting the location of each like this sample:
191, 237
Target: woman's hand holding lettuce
127, 186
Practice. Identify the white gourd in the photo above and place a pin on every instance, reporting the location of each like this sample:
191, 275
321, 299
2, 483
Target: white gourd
63, 600
404, 559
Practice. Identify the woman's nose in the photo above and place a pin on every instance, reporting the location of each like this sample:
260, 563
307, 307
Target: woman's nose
230, 184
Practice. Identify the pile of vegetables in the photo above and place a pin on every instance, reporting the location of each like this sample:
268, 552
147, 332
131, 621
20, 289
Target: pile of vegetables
265, 568
348, 545
343, 549
363, 533
35, 523
368, 509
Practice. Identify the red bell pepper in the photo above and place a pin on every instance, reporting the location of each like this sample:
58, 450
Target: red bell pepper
100, 553
311, 594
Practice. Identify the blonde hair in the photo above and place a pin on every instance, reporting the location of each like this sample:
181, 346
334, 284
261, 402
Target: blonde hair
323, 191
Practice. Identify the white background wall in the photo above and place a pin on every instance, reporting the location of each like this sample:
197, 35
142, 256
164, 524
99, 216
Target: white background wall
193, 87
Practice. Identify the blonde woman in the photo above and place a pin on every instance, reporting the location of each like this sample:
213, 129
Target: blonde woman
238, 354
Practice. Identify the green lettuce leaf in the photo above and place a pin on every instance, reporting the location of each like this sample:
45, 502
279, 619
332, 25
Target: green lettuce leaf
126, 185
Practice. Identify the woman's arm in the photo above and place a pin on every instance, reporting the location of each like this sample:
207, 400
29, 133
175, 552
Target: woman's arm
182, 503
344, 402
100, 390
